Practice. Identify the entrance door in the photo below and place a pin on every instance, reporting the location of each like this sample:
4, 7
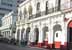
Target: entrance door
27, 34
56, 36
70, 37
22, 32
69, 34
37, 34
18, 35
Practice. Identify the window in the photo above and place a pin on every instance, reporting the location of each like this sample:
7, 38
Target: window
6, 4
30, 11
38, 6
58, 3
20, 15
56, 34
5, 9
46, 7
70, 3
38, 10
25, 12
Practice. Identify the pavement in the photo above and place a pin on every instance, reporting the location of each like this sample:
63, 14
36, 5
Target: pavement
4, 46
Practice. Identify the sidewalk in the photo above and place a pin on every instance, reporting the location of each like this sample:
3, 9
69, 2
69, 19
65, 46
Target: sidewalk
23, 48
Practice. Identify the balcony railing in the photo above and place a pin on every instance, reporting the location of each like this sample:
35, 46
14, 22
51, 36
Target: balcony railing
38, 14
52, 10
46, 12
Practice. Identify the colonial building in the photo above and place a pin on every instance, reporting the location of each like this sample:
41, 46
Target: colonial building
8, 25
45, 23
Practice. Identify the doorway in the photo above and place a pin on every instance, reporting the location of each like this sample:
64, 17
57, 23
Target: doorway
69, 34
36, 31
27, 34
56, 36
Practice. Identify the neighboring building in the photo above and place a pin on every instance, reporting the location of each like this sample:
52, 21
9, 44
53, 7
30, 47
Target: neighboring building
19, 2
45, 23
8, 27
7, 6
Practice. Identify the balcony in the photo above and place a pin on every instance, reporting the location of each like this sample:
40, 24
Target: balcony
46, 12
38, 14
63, 7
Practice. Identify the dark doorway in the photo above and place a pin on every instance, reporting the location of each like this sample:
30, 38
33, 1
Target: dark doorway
18, 33
69, 35
36, 30
22, 32
27, 34
56, 28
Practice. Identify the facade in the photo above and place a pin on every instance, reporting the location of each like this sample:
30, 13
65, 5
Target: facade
7, 6
45, 23
8, 25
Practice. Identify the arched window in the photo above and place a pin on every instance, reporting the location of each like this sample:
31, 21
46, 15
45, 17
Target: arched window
46, 7
58, 3
20, 15
30, 11
38, 6
38, 10
25, 12
36, 31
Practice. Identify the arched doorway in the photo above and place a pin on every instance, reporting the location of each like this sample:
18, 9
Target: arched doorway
22, 32
56, 36
18, 35
36, 31
45, 35
27, 34
69, 34
22, 39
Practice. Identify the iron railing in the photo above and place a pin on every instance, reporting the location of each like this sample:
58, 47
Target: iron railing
52, 10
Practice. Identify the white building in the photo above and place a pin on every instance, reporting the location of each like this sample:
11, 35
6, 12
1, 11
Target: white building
50, 20
8, 25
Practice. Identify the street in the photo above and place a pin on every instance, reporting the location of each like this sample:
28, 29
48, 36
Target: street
4, 46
